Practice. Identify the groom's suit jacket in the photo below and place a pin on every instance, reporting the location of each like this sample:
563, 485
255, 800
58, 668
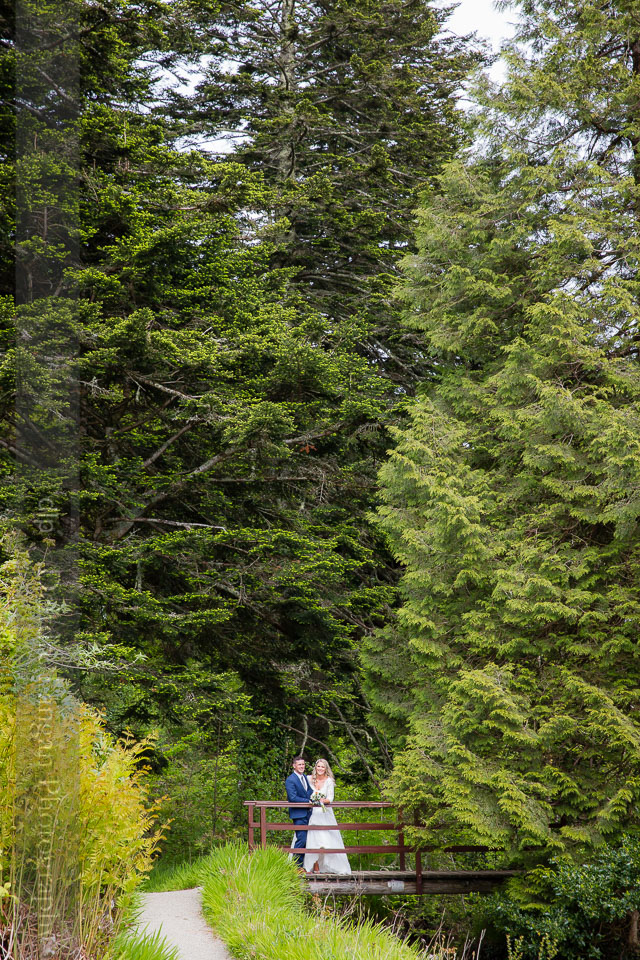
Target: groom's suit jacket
296, 793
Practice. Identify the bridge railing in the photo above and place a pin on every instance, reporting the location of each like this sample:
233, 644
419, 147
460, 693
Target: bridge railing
262, 827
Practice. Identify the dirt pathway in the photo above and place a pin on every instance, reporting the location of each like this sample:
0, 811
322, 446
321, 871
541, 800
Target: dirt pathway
178, 916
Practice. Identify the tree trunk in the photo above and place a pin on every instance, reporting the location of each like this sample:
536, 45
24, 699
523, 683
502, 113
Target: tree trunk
635, 139
286, 154
632, 940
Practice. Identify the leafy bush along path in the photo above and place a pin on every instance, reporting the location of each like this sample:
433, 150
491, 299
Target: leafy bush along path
177, 915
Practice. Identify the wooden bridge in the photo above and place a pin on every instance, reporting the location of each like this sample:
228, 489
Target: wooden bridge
415, 882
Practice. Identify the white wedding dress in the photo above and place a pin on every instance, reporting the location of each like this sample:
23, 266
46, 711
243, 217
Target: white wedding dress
329, 839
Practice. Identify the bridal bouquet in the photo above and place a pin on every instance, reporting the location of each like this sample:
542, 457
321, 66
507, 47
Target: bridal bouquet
316, 798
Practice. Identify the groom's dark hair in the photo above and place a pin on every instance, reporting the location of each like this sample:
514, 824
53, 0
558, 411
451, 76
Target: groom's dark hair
297, 758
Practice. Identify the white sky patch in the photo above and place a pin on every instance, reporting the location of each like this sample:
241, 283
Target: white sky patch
481, 17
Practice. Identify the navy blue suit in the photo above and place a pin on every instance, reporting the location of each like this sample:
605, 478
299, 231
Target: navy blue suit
296, 793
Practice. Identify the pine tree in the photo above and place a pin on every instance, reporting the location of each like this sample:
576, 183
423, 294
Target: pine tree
348, 108
511, 677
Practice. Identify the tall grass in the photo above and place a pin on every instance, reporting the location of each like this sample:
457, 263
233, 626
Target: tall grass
256, 904
182, 876
139, 946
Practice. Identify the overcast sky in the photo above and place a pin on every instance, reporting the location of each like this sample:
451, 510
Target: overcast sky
482, 16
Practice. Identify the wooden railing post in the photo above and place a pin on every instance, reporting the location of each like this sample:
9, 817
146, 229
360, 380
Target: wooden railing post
418, 872
403, 858
263, 827
250, 807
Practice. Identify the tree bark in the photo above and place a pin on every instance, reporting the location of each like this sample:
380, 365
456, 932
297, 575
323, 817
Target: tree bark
286, 158
635, 140
633, 942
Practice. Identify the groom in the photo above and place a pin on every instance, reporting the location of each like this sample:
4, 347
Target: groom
299, 791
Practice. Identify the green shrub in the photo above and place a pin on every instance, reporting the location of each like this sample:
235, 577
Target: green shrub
76, 831
546, 949
586, 910
198, 785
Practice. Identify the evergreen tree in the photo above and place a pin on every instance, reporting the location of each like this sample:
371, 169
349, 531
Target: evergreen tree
511, 676
348, 108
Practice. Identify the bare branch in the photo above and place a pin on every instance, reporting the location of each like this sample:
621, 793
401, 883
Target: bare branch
176, 523
324, 746
348, 727
158, 453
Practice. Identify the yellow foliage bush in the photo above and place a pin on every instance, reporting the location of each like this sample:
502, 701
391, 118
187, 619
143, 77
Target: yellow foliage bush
6, 806
73, 815
76, 831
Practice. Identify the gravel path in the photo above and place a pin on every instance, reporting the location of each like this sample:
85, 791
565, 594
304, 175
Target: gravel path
178, 916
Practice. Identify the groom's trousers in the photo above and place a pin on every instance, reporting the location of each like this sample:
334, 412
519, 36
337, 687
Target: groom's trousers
301, 841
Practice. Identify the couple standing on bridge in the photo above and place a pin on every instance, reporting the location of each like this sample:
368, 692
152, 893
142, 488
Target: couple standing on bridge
318, 788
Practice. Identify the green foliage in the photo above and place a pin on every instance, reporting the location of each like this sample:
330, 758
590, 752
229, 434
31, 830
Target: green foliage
131, 946
29, 644
510, 677
203, 358
347, 108
23, 612
74, 802
255, 903
183, 876
200, 780
76, 830
546, 949
584, 909
196, 396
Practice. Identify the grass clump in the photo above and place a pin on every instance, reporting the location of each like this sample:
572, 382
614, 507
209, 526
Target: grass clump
139, 946
176, 876
256, 904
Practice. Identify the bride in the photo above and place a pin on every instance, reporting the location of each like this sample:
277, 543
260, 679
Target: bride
323, 783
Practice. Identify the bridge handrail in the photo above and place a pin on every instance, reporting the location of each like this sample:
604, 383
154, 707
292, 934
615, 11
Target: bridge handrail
365, 804
263, 825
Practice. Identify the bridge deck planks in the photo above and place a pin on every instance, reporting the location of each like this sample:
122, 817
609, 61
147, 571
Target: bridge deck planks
392, 882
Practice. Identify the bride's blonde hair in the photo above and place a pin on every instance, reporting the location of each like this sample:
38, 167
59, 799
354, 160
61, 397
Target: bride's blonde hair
328, 768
